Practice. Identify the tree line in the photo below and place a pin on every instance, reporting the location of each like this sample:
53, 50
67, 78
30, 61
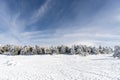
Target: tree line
82, 50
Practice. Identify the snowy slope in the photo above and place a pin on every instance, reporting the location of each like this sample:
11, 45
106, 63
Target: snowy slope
59, 67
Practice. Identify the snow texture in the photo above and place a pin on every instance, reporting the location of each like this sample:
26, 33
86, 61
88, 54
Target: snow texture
59, 67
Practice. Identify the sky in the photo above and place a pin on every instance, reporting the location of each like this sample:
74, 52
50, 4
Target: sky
60, 22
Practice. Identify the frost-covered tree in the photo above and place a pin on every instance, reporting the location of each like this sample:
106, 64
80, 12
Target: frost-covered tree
72, 50
84, 52
116, 51
95, 51
62, 49
89, 49
48, 51
37, 50
55, 50
107, 50
101, 50
34, 51
1, 50
14, 50
26, 50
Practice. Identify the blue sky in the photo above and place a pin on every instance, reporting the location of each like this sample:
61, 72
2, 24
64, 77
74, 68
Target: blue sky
56, 22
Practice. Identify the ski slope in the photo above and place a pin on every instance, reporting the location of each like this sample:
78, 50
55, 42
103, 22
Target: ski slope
59, 67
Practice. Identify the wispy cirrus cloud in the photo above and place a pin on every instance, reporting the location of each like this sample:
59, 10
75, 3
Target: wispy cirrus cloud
40, 12
12, 25
98, 30
66, 22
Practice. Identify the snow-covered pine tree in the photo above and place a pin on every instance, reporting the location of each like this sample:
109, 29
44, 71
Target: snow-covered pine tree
72, 51
116, 52
95, 51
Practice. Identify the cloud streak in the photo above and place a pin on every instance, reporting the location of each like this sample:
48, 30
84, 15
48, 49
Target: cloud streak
40, 12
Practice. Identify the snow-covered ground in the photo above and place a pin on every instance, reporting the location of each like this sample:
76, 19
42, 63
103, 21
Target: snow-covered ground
59, 67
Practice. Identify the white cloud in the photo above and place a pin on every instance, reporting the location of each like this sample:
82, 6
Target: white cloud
97, 35
31, 33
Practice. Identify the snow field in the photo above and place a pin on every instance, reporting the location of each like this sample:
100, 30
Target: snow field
59, 67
